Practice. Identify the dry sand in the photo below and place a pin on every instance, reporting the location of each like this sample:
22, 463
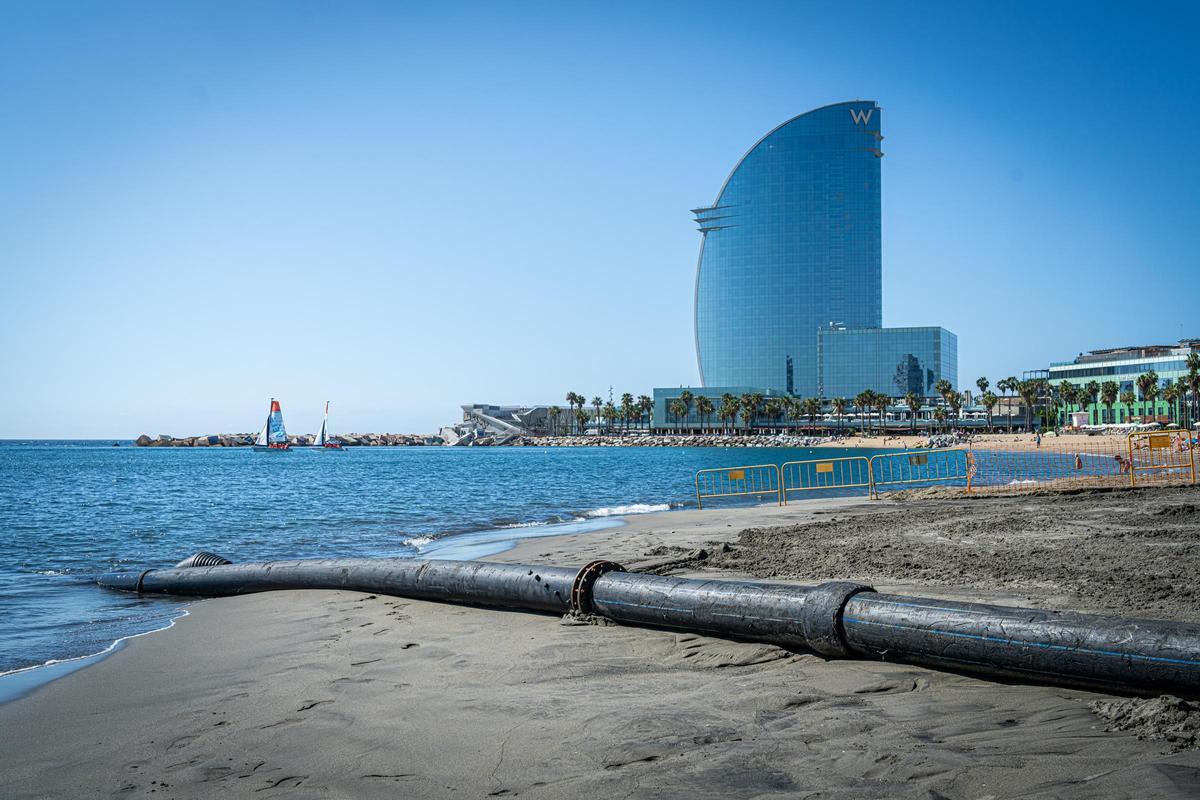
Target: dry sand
340, 694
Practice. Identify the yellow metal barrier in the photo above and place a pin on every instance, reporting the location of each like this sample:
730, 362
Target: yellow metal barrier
831, 473
926, 466
759, 479
1169, 453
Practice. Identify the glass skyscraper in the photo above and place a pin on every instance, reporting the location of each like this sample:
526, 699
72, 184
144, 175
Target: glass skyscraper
791, 249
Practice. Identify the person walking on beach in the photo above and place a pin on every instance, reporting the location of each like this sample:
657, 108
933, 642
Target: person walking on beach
1038, 438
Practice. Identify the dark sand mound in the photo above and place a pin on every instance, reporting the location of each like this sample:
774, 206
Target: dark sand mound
1165, 718
1134, 552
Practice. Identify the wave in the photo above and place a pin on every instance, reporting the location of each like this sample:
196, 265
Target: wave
632, 508
418, 541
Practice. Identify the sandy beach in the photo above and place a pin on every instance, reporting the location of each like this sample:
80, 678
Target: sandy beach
341, 694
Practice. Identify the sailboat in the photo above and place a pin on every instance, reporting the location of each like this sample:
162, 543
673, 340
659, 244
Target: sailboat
273, 436
323, 441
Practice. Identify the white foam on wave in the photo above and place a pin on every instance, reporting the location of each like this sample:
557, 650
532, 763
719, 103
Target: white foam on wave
632, 508
417, 541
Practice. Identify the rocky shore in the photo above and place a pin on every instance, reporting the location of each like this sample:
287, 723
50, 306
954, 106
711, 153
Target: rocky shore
615, 440
296, 440
648, 440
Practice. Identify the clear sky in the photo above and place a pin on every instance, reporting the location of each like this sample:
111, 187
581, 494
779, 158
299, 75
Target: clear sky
402, 208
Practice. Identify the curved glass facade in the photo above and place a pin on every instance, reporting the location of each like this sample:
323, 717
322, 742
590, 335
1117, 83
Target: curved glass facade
791, 246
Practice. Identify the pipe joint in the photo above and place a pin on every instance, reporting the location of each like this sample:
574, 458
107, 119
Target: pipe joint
821, 618
203, 559
581, 588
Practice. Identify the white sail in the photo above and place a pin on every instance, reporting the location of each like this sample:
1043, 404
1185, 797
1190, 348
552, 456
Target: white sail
261, 441
323, 436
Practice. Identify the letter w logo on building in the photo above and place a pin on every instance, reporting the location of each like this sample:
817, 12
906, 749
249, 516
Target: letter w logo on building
861, 116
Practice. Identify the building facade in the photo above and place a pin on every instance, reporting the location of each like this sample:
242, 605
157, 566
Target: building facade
1122, 366
891, 361
790, 250
791, 244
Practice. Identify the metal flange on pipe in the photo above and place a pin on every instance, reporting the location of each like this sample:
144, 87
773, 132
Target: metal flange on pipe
835, 620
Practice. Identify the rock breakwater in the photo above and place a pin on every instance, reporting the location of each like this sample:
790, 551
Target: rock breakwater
296, 440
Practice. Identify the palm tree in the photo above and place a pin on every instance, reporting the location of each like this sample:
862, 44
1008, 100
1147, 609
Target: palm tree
1091, 391
838, 404
811, 407
914, 407
939, 414
1084, 399
1147, 384
751, 404
956, 400
627, 410
1170, 396
983, 385
1007, 385
597, 404
645, 407
862, 401
882, 401
1029, 396
1128, 398
704, 407
553, 413
609, 415
1193, 383
728, 412
570, 398
772, 409
989, 400
944, 388
1066, 396
678, 409
687, 398
1109, 391
581, 419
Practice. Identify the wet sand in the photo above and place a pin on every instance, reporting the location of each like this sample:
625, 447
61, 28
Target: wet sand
320, 694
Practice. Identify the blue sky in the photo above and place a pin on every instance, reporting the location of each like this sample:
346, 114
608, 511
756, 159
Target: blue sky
402, 208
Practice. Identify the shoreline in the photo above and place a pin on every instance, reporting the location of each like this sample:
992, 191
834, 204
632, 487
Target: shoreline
467, 545
376, 696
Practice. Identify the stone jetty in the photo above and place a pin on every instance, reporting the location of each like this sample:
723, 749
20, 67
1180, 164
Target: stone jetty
296, 440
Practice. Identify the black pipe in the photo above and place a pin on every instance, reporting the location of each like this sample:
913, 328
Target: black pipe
837, 620
472, 582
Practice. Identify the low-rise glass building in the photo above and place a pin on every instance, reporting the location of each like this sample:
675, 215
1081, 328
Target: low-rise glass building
891, 361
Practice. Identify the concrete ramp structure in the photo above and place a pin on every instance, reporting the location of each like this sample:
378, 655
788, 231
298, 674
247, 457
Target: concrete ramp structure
484, 424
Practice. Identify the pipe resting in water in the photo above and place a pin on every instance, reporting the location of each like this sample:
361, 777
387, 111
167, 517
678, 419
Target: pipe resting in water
836, 620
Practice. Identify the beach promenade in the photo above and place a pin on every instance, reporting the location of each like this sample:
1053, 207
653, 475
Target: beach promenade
341, 694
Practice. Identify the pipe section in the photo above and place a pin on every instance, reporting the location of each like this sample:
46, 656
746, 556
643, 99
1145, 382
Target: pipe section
836, 620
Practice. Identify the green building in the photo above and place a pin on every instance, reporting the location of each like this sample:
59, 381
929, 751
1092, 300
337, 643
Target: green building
1122, 366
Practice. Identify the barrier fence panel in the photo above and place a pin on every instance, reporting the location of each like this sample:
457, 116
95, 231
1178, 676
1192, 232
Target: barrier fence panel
1082, 462
916, 469
752, 481
853, 472
1162, 457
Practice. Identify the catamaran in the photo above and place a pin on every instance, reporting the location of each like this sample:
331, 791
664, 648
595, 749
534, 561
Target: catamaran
273, 436
323, 441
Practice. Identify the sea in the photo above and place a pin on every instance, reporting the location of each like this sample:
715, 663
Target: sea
71, 510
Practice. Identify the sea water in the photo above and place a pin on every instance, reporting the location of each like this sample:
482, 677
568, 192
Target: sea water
72, 510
